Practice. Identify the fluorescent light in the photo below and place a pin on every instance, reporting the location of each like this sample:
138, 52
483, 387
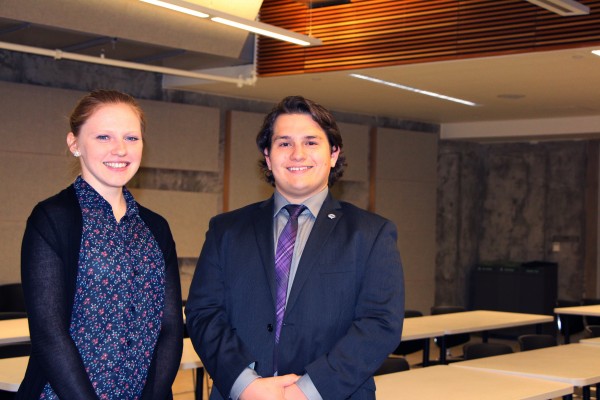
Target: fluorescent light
176, 8
411, 89
562, 7
257, 27
262, 31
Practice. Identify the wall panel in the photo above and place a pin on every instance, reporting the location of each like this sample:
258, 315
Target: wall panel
246, 183
180, 136
406, 187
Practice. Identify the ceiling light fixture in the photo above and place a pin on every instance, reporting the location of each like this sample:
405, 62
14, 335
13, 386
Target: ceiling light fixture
562, 7
260, 28
596, 52
411, 89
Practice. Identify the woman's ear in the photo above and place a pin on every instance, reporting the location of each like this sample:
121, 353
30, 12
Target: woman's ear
72, 142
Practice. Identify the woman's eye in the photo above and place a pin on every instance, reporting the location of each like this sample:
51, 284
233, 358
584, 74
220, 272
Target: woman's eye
132, 138
102, 137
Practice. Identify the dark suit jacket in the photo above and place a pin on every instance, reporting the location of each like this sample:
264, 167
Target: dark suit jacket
344, 313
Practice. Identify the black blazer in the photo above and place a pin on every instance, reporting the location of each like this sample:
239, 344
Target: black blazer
345, 309
49, 262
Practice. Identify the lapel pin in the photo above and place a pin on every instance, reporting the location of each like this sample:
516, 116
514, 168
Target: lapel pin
331, 216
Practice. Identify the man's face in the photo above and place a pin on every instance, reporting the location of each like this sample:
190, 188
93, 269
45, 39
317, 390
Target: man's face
300, 157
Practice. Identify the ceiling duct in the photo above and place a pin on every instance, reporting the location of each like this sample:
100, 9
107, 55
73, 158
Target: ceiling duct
563, 7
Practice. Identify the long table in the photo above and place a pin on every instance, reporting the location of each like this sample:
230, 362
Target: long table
592, 341
442, 381
591, 311
440, 325
12, 370
575, 364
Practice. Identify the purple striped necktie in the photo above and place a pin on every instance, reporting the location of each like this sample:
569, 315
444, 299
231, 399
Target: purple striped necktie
283, 261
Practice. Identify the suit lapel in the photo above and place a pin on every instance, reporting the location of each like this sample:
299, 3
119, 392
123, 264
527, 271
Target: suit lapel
328, 217
263, 227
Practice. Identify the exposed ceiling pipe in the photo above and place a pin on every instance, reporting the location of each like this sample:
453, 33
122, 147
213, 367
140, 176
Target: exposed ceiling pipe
58, 55
562, 7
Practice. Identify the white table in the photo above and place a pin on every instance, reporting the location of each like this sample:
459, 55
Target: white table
591, 341
482, 320
14, 331
444, 382
591, 311
576, 364
12, 370
466, 322
420, 328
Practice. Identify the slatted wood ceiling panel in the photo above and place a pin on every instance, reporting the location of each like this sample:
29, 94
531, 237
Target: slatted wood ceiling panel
376, 33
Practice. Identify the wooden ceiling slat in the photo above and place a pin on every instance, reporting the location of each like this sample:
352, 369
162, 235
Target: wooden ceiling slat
372, 33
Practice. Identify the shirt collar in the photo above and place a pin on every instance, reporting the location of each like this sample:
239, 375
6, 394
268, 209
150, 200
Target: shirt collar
313, 203
90, 198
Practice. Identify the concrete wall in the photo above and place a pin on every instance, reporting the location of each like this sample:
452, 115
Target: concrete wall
510, 202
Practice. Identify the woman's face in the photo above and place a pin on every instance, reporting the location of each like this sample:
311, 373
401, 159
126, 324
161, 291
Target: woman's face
110, 144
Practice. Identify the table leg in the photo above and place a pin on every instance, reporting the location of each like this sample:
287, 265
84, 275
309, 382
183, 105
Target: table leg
426, 347
565, 326
199, 392
442, 342
586, 393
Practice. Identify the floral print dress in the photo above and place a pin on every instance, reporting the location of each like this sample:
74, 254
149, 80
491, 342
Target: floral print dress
119, 297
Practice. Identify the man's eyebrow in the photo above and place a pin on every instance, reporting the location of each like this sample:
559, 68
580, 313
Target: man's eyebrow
279, 137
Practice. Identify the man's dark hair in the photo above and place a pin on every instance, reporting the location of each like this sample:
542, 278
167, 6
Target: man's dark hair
319, 114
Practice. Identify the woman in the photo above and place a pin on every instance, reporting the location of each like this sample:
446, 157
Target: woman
100, 271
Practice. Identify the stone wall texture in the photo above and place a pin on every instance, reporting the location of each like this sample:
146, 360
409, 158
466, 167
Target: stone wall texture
510, 203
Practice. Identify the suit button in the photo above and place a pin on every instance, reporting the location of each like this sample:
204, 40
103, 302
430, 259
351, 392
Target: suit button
270, 328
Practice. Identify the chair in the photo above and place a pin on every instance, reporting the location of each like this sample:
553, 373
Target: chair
575, 323
471, 351
7, 395
451, 340
589, 320
536, 341
592, 330
391, 365
12, 298
411, 346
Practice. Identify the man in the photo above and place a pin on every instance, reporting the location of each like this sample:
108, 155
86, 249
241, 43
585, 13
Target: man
319, 327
